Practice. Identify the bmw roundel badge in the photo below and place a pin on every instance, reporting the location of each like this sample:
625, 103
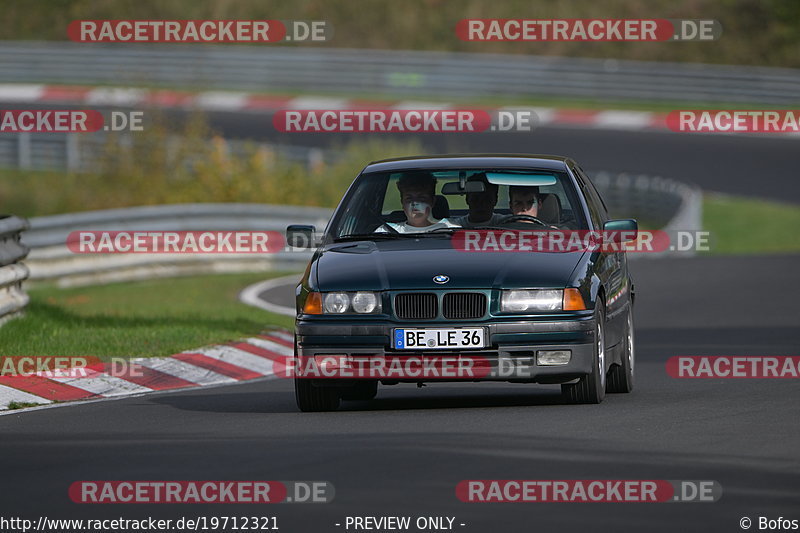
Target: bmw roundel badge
441, 279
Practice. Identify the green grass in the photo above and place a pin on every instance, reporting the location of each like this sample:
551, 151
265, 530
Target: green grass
201, 171
142, 319
21, 405
750, 226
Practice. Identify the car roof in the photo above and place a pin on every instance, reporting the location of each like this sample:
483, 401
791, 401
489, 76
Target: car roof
547, 162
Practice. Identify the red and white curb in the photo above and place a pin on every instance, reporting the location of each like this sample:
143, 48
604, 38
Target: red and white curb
263, 356
253, 102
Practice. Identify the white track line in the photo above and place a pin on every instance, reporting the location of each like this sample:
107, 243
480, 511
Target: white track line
250, 295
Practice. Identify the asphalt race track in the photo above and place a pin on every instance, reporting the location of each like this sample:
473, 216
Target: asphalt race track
746, 165
743, 165
403, 453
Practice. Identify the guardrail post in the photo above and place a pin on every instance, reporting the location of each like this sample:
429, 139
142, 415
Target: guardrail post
24, 151
12, 272
72, 152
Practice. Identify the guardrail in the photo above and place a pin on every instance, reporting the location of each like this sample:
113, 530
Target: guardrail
663, 202
77, 152
12, 273
391, 73
51, 259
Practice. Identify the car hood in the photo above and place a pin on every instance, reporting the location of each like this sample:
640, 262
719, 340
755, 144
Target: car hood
404, 264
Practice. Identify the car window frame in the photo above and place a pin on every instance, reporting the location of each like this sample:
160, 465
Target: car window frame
340, 211
594, 202
585, 198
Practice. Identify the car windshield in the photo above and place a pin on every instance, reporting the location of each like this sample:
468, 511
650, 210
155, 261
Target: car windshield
434, 202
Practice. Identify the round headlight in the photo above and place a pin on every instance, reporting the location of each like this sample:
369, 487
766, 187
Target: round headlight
516, 300
537, 300
365, 302
336, 302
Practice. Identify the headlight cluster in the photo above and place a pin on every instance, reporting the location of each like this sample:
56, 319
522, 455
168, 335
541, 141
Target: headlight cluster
541, 300
339, 303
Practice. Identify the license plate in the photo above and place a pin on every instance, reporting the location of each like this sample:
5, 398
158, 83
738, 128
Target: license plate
442, 339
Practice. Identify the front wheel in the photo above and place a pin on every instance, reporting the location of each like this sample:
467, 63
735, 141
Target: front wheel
620, 377
310, 398
591, 388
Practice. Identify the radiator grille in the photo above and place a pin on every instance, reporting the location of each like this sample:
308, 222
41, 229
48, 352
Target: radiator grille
415, 305
458, 305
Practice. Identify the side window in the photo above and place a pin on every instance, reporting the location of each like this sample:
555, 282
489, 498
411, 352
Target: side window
601, 203
597, 210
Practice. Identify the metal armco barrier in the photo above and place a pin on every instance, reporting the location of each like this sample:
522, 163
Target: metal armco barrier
12, 272
51, 259
663, 202
446, 75
81, 153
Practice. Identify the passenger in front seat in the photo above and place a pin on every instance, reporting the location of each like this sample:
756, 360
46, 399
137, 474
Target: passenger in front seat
417, 194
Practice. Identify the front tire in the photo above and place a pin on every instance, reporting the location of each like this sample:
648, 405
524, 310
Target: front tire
591, 388
312, 399
620, 377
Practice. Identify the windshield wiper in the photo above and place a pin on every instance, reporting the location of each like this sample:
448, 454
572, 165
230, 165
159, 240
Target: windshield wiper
448, 231
367, 236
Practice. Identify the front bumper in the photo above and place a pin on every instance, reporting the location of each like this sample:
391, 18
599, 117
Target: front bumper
510, 354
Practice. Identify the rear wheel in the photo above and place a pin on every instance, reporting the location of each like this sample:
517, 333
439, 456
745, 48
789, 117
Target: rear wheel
620, 377
591, 388
361, 391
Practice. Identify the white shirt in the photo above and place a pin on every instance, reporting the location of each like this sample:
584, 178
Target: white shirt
404, 227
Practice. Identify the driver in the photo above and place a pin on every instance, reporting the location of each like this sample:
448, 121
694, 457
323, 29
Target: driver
417, 194
524, 200
481, 205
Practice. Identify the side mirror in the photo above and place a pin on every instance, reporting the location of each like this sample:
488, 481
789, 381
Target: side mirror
300, 236
623, 230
